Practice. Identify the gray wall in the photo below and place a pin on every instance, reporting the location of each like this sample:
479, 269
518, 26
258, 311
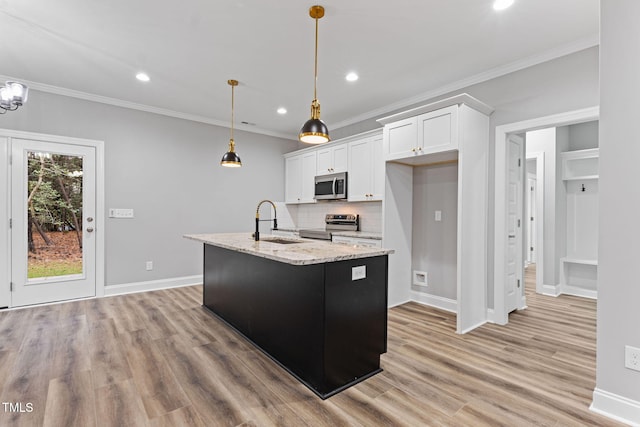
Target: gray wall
564, 84
619, 228
434, 244
168, 171
583, 136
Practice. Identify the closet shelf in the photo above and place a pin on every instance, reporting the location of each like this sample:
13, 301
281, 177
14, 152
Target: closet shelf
579, 261
580, 164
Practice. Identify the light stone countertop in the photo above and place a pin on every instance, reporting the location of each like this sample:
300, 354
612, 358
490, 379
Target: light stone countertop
358, 234
307, 251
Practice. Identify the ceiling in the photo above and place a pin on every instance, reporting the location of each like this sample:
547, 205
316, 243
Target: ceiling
404, 51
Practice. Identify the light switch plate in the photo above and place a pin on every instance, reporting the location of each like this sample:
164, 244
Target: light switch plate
120, 213
438, 216
359, 272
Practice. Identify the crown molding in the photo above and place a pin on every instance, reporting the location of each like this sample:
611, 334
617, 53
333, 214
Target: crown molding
56, 90
567, 49
560, 51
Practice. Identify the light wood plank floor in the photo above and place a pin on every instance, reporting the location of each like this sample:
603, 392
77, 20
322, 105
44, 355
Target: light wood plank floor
159, 359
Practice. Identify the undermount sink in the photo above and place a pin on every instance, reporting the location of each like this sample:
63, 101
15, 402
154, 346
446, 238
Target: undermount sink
280, 240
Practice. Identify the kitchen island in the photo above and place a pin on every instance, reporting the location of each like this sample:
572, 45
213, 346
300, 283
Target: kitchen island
318, 309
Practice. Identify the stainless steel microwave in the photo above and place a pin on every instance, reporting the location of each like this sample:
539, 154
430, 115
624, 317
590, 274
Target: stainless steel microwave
331, 187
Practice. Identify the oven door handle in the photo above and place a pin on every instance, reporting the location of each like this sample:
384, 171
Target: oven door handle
333, 187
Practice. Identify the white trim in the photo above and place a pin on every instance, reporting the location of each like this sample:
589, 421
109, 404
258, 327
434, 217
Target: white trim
471, 328
462, 98
100, 191
551, 290
490, 315
539, 157
399, 303
500, 227
152, 285
56, 90
560, 51
578, 291
442, 303
608, 404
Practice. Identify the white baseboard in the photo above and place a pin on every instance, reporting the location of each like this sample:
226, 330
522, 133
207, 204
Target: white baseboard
399, 303
442, 303
152, 285
578, 292
471, 328
551, 290
616, 407
491, 315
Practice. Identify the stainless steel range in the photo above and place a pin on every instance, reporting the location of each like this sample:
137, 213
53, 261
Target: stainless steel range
333, 222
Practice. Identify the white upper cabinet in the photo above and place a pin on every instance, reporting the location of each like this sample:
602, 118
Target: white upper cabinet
432, 130
366, 169
332, 159
438, 131
401, 138
300, 169
360, 156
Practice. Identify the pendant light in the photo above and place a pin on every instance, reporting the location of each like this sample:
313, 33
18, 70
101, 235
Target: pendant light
230, 158
314, 131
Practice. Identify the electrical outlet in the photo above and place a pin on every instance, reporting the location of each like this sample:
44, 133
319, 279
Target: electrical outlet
632, 358
149, 265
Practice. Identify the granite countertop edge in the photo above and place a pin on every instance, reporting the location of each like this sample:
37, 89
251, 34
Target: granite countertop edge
308, 251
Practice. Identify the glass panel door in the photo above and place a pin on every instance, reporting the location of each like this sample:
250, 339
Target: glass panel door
53, 209
54, 216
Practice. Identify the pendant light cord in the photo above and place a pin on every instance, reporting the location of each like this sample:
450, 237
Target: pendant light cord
315, 81
232, 114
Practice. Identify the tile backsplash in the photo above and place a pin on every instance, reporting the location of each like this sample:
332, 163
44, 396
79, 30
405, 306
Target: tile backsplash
312, 215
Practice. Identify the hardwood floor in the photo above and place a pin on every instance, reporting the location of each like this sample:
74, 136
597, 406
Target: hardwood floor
159, 359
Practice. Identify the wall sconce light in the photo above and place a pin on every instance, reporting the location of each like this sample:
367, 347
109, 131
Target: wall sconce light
12, 96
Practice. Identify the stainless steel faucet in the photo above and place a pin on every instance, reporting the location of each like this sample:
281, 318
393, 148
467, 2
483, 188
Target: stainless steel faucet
256, 235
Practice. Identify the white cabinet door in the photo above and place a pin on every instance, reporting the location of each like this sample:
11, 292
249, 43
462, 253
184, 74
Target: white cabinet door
366, 170
299, 173
438, 131
360, 159
293, 183
400, 139
307, 176
332, 159
377, 169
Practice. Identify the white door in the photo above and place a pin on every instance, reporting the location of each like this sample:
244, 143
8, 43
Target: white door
515, 267
531, 219
53, 207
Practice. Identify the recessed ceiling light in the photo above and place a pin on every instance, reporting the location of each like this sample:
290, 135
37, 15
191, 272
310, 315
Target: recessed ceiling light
502, 4
352, 77
143, 77
282, 110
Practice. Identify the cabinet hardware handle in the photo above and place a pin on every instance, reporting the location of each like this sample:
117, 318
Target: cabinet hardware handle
413, 149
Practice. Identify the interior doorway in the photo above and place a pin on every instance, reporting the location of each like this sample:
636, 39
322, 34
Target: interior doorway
502, 190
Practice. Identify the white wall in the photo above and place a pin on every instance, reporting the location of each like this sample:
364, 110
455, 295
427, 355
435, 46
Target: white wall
618, 388
168, 171
544, 141
434, 245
